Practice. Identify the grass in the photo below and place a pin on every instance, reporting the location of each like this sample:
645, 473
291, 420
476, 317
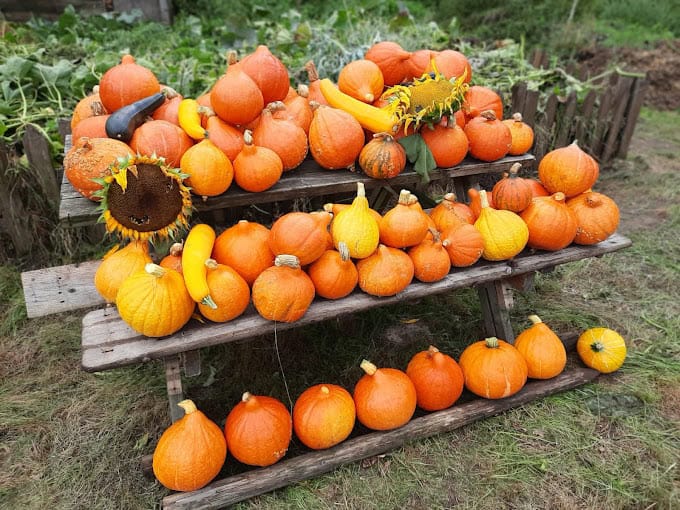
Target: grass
73, 440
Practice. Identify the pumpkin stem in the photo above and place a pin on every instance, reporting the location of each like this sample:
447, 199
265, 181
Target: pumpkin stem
593, 200
176, 249
315, 105
383, 134
535, 319
484, 201
488, 115
450, 197
344, 251
559, 197
211, 264
597, 346
368, 367
232, 57
491, 342
361, 189
312, 73
436, 237
275, 106
431, 351
287, 260
246, 397
188, 406
154, 269
404, 196
127, 59
514, 169
248, 137
517, 117
324, 389
303, 90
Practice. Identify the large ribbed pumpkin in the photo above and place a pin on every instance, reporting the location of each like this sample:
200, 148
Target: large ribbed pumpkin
568, 169
191, 451
385, 398
493, 368
323, 416
512, 192
335, 138
258, 430
552, 225
597, 217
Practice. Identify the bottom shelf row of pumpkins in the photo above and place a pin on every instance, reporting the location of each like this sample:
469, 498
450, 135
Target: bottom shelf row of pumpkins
259, 429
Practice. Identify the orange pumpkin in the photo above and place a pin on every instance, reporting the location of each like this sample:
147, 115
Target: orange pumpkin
229, 291
522, 135
450, 212
447, 142
479, 99
163, 139
542, 349
268, 73
301, 234
568, 169
552, 225
173, 260
489, 138
224, 135
258, 430
190, 452
382, 157
512, 192
493, 368
475, 201
282, 136
418, 62
335, 138
117, 265
235, 97
537, 189
256, 168
463, 243
297, 109
89, 106
361, 79
323, 416
386, 272
391, 58
244, 237
283, 292
91, 127
334, 274
385, 398
125, 83
90, 158
452, 64
169, 109
437, 377
430, 259
597, 217
314, 92
209, 170
406, 224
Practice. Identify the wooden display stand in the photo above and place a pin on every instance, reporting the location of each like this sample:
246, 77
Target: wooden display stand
108, 342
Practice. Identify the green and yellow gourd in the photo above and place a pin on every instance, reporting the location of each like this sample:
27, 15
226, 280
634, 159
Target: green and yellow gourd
356, 227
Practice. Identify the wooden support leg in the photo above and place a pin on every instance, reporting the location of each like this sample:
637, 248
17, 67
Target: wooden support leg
173, 381
496, 300
191, 360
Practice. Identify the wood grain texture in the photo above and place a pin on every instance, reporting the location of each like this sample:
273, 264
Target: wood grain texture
108, 342
308, 180
258, 481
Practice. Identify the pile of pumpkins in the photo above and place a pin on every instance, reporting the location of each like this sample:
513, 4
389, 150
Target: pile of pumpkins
252, 125
258, 430
329, 253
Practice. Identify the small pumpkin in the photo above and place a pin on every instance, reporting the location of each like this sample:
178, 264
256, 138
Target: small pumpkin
475, 202
244, 237
386, 272
282, 136
301, 234
138, 297
391, 58
190, 452
489, 138
169, 110
125, 83
568, 169
173, 260
450, 212
505, 233
256, 168
268, 73
209, 170
542, 349
224, 135
283, 292
463, 243
356, 227
452, 64
229, 291
493, 368
334, 274
537, 189
362, 79
235, 97
447, 142
385, 398
298, 109
602, 349
117, 265
382, 157
522, 135
323, 416
335, 138
162, 138
512, 192
552, 225
89, 106
437, 377
479, 99
597, 217
91, 127
418, 62
406, 224
430, 259
258, 430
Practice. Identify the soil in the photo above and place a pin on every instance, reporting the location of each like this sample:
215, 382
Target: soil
661, 63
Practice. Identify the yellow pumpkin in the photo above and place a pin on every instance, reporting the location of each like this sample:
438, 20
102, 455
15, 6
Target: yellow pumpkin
356, 227
155, 302
117, 265
505, 233
602, 349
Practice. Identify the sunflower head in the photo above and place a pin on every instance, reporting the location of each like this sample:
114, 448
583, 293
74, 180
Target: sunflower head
143, 198
426, 99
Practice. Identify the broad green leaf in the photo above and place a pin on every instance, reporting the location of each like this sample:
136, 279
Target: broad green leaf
419, 154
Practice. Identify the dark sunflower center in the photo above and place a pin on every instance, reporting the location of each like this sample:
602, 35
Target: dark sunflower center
152, 200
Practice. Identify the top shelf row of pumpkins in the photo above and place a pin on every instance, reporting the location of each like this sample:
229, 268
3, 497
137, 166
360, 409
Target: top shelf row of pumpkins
253, 125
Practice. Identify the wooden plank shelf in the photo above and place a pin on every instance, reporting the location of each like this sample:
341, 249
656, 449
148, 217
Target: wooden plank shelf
308, 180
253, 482
108, 342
